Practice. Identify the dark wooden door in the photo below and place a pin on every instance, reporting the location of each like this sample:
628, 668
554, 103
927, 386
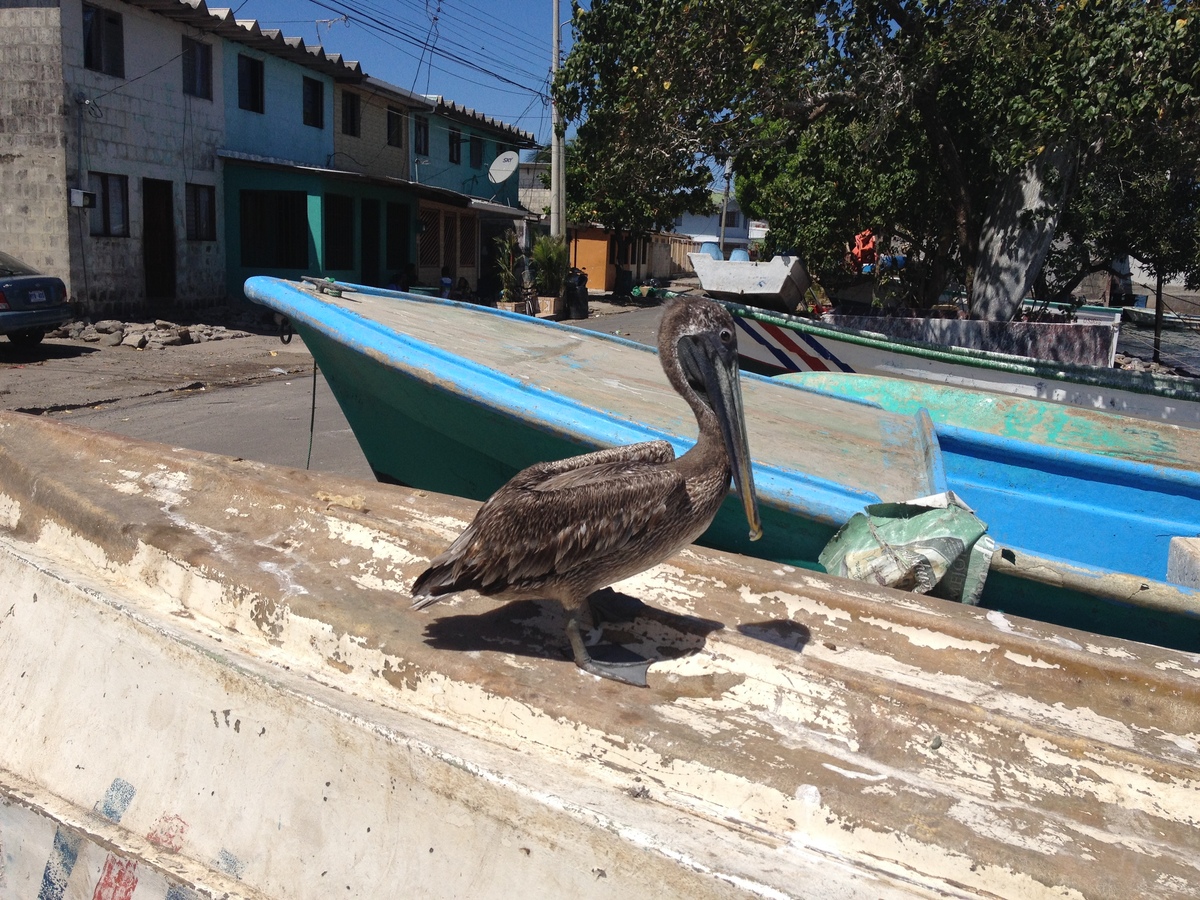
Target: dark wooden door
158, 240
370, 242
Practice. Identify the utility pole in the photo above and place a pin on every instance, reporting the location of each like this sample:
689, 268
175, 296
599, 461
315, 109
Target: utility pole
725, 201
558, 169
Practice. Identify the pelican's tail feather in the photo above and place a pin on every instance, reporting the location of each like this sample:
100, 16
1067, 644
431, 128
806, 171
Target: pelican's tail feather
431, 585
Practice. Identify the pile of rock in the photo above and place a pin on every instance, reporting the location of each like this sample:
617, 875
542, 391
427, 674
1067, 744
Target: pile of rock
1134, 364
144, 335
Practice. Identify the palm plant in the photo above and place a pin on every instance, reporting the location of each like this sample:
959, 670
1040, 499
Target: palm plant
508, 249
551, 258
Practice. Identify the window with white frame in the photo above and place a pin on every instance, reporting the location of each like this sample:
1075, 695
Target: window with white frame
197, 69
314, 103
110, 215
103, 41
200, 203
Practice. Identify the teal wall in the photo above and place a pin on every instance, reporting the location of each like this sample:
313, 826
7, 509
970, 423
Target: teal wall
315, 186
279, 131
461, 176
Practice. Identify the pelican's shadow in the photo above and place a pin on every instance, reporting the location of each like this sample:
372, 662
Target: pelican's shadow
780, 632
537, 628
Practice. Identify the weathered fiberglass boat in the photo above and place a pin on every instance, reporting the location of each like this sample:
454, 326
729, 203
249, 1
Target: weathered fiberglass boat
775, 343
455, 398
1144, 318
1088, 336
778, 283
214, 688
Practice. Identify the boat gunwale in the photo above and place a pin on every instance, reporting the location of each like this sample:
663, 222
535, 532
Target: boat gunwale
1171, 386
783, 489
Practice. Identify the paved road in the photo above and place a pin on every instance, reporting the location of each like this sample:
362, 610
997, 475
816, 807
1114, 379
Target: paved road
636, 324
250, 397
266, 421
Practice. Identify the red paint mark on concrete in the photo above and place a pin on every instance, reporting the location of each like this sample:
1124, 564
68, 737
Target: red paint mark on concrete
118, 879
168, 832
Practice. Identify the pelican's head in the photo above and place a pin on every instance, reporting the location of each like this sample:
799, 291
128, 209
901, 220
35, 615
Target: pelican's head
697, 343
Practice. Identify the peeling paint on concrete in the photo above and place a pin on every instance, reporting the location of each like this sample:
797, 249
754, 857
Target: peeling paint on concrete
10, 512
935, 640
1111, 652
1023, 659
868, 744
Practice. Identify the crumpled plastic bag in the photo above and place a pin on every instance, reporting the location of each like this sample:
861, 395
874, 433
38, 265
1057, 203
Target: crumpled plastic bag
932, 545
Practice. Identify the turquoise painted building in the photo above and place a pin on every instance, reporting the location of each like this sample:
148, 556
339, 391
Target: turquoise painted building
276, 108
454, 149
459, 148
314, 180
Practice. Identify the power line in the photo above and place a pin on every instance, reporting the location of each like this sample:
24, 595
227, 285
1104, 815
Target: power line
359, 16
427, 44
515, 41
514, 38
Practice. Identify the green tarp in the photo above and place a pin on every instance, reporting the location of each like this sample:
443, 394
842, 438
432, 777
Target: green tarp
933, 545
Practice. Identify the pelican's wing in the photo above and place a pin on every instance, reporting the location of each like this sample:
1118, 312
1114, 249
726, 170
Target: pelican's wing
553, 517
648, 452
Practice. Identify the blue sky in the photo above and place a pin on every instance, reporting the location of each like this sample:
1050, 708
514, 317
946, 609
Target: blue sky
491, 56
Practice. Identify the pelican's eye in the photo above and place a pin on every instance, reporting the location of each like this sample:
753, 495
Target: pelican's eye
726, 336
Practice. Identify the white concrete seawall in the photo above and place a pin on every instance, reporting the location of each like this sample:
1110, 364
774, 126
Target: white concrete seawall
213, 686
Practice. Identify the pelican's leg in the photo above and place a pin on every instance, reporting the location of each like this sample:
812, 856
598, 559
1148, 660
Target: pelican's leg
606, 605
632, 672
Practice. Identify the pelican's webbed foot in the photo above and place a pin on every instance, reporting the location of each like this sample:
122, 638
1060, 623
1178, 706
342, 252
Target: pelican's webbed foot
632, 671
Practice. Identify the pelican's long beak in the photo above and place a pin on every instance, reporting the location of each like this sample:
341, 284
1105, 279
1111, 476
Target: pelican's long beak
724, 389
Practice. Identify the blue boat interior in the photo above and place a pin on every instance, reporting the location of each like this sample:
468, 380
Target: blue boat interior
1102, 512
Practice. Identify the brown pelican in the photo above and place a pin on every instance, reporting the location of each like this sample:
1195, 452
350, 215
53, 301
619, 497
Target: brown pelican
563, 530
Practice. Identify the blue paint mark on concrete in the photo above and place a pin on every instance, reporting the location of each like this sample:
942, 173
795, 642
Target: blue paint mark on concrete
116, 800
62, 859
230, 864
179, 892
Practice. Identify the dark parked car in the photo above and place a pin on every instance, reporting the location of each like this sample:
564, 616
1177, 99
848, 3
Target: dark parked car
30, 303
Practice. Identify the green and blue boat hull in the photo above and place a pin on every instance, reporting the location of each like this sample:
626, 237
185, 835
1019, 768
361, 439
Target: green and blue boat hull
429, 418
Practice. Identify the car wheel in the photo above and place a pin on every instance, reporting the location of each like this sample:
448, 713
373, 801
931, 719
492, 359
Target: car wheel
29, 338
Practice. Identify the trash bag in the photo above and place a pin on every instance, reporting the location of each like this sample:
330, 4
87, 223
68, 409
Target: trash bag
932, 545
575, 294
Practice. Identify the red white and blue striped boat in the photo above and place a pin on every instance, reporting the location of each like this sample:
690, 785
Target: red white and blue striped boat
775, 343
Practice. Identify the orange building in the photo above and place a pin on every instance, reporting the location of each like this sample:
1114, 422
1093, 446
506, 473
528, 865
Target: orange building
602, 253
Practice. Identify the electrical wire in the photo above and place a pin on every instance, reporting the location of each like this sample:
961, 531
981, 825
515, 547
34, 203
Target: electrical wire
439, 37
456, 40
485, 26
363, 18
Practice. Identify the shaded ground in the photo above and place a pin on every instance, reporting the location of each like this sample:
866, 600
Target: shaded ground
62, 374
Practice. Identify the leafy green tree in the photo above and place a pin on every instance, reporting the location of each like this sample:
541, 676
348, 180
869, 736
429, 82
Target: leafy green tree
966, 129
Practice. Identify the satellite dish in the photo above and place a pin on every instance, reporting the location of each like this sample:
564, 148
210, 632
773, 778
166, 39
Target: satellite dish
503, 166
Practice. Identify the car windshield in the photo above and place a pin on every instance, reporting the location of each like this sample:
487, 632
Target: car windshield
11, 266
